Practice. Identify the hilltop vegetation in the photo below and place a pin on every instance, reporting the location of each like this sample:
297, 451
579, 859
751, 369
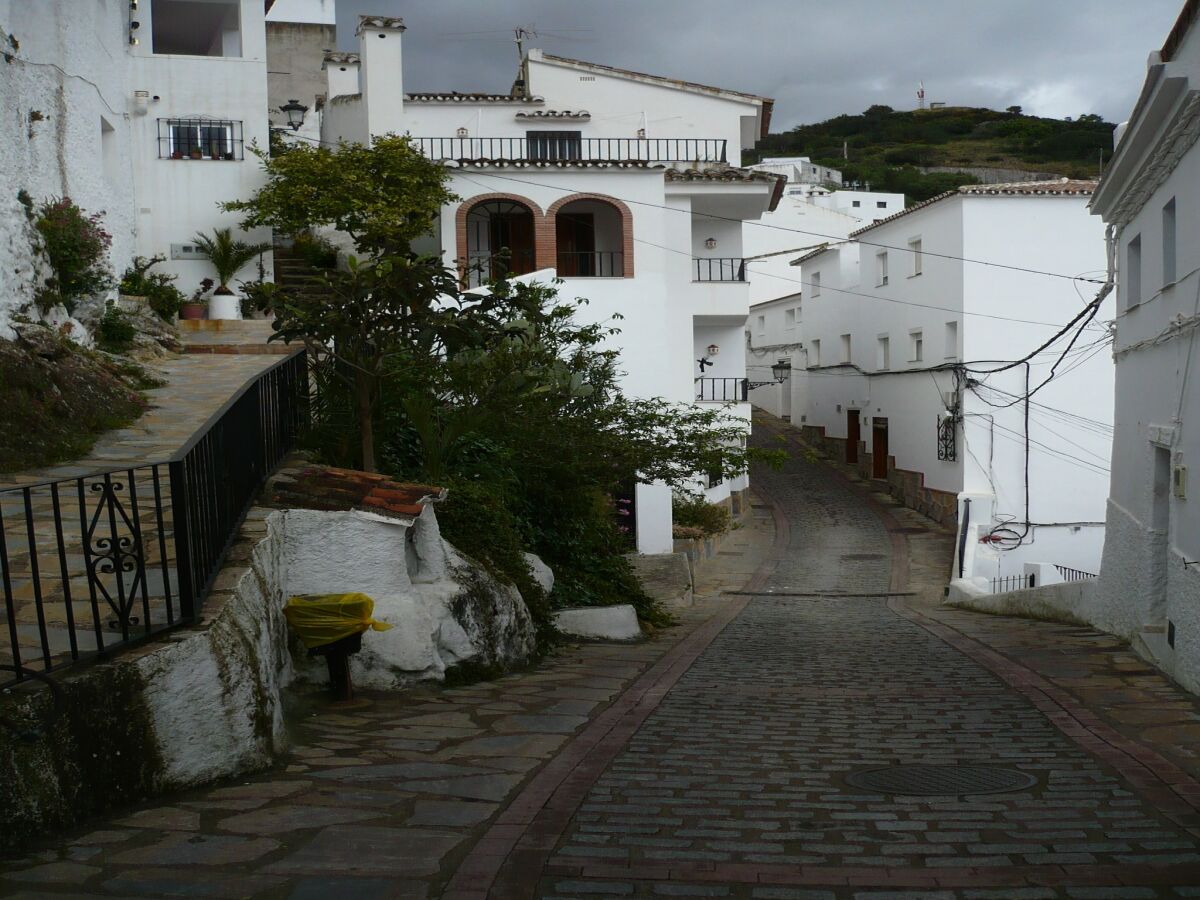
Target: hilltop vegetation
887, 147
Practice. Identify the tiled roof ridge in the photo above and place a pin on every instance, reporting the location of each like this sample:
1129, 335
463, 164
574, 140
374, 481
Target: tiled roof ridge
460, 97
394, 23
1064, 187
555, 114
720, 173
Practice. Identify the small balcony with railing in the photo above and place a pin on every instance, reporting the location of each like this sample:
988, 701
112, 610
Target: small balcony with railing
571, 146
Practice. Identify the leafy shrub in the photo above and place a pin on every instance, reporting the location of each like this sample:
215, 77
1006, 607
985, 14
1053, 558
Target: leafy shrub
158, 287
115, 333
77, 247
696, 512
687, 532
315, 250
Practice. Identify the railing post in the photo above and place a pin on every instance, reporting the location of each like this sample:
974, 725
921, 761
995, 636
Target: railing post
180, 528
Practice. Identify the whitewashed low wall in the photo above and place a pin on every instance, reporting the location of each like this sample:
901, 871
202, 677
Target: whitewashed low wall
1063, 602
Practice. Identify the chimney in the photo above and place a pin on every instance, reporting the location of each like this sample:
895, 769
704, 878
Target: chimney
382, 75
341, 74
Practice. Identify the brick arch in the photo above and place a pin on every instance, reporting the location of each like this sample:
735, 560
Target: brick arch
543, 251
626, 226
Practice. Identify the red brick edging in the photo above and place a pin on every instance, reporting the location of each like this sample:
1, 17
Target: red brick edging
509, 858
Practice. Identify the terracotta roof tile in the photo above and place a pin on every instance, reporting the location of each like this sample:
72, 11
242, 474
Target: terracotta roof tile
456, 97
328, 488
555, 114
1065, 187
558, 164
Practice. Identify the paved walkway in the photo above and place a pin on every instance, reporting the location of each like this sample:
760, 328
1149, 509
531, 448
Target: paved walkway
712, 761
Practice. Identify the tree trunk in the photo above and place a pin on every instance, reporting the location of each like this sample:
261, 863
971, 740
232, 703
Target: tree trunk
366, 424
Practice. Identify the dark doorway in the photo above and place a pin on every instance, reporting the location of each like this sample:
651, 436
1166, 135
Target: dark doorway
879, 447
853, 435
499, 240
550, 145
576, 234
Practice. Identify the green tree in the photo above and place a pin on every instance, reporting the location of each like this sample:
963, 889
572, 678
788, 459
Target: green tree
227, 254
384, 195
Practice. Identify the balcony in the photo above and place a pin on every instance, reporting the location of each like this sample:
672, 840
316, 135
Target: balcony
591, 264
553, 149
722, 390
730, 268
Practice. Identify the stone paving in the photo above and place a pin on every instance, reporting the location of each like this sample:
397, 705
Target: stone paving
711, 761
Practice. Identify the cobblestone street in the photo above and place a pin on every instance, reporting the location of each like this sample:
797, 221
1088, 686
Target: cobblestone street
712, 761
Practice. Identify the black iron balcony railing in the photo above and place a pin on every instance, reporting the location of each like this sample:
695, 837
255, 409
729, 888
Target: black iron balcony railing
723, 390
660, 150
95, 563
591, 264
1069, 574
481, 268
1013, 583
732, 268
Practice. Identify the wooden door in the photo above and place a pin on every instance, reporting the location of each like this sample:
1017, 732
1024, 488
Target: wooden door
575, 234
853, 435
879, 448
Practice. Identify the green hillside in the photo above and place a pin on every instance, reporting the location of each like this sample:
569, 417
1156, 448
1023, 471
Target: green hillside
885, 146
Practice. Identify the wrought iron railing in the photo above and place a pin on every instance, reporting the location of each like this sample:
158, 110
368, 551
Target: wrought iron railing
1069, 574
480, 268
200, 138
101, 561
731, 268
1012, 583
661, 150
591, 264
723, 390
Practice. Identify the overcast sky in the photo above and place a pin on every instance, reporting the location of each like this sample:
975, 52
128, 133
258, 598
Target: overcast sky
817, 59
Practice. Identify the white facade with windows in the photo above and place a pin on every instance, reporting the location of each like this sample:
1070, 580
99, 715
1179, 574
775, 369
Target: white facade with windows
1149, 587
625, 185
891, 343
141, 113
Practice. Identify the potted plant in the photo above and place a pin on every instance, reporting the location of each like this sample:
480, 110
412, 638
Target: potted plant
227, 255
195, 307
176, 154
197, 153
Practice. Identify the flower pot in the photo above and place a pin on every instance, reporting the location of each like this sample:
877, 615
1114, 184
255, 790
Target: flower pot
192, 310
178, 154
225, 306
196, 154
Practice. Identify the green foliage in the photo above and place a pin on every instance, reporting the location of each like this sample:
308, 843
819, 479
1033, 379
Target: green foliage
76, 245
693, 511
157, 287
883, 144
114, 332
59, 398
227, 254
315, 250
384, 195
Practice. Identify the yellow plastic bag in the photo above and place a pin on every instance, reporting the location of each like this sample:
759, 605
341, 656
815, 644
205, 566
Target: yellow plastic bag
321, 619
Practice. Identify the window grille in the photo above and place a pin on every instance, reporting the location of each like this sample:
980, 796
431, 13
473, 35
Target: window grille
947, 439
200, 138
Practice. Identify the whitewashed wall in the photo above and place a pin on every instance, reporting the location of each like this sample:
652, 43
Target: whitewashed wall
58, 95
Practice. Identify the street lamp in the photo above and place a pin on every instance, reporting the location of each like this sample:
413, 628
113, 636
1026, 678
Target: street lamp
781, 370
295, 111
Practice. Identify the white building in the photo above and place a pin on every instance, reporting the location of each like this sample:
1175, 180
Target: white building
898, 348
299, 34
799, 170
624, 184
1149, 587
143, 112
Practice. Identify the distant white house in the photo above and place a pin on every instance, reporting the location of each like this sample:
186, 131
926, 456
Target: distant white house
143, 111
799, 170
1149, 587
902, 352
627, 186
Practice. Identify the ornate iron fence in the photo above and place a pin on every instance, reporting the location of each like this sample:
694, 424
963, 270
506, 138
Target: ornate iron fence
96, 562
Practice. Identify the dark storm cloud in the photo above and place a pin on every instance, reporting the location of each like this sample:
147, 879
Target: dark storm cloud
817, 59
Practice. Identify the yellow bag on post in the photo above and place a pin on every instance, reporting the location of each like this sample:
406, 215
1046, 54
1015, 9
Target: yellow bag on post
321, 619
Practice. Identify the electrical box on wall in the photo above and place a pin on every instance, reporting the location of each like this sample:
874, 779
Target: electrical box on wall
1179, 482
186, 251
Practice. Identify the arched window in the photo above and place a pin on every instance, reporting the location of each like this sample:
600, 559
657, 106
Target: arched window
500, 240
592, 238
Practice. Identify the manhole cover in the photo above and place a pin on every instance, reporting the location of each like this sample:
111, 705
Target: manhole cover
926, 781
862, 556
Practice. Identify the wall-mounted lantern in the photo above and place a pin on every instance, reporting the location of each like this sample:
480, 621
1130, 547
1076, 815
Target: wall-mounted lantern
781, 370
641, 133
461, 132
294, 110
711, 243
713, 349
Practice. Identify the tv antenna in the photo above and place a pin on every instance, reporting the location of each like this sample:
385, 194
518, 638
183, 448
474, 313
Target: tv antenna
521, 34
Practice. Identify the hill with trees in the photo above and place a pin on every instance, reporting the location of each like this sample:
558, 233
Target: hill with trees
893, 150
